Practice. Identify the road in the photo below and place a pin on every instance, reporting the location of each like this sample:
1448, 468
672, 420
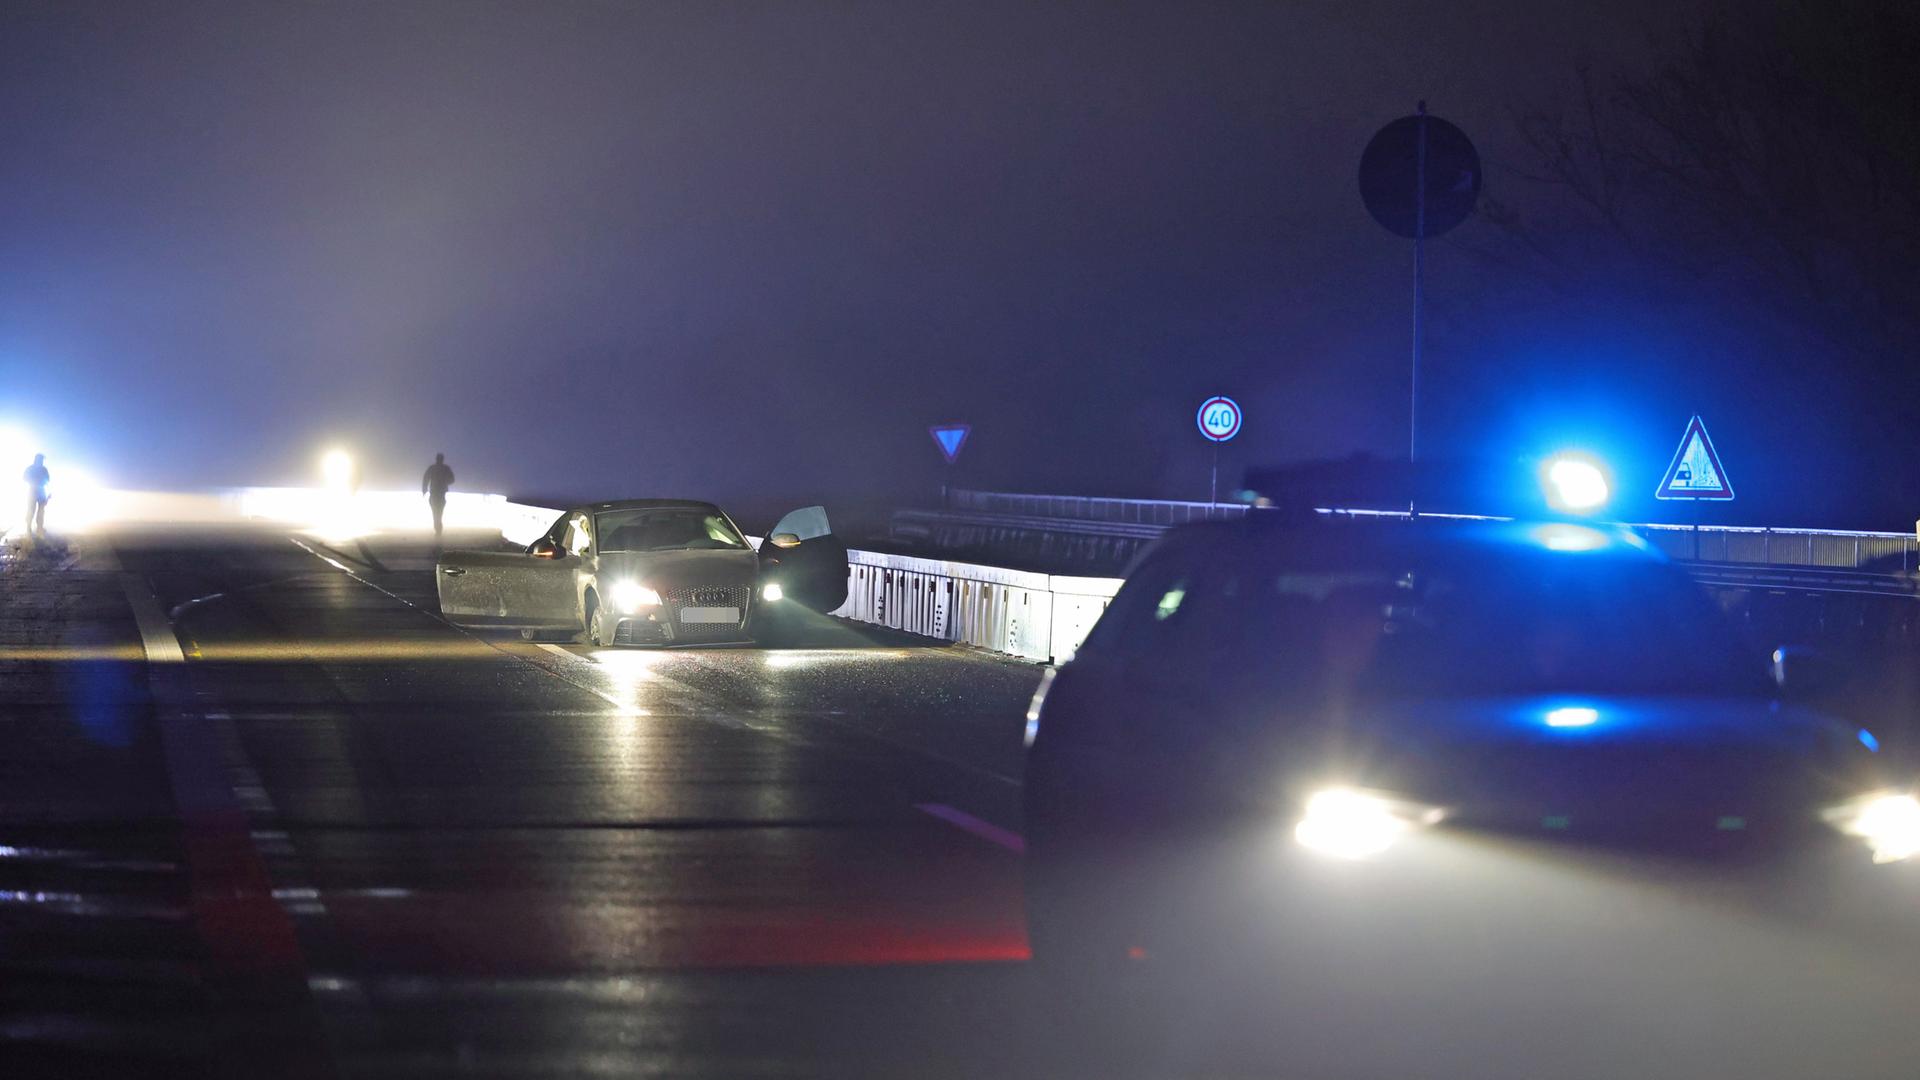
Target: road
352, 837
263, 813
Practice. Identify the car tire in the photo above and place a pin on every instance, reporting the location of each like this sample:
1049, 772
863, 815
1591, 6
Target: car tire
596, 623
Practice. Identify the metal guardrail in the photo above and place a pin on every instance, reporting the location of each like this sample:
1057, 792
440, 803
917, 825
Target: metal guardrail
1160, 512
1867, 552
1034, 616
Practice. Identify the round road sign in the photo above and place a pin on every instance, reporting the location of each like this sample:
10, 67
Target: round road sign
1390, 170
1219, 418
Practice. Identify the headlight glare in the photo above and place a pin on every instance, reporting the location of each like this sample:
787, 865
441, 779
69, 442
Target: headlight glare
632, 596
772, 591
1889, 822
1347, 823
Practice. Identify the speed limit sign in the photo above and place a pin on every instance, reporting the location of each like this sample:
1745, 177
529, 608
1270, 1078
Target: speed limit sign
1219, 418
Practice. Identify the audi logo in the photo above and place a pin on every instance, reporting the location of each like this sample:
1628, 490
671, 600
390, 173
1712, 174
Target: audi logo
710, 596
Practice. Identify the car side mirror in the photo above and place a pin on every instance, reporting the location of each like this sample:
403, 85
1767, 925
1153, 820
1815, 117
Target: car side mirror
1801, 672
544, 548
784, 540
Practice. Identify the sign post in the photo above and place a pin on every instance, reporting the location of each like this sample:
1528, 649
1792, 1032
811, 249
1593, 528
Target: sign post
1419, 177
949, 438
1219, 420
1695, 475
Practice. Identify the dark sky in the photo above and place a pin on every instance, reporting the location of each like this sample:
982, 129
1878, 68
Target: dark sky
740, 249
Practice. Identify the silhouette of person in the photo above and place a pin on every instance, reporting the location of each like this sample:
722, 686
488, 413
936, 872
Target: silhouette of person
37, 479
434, 484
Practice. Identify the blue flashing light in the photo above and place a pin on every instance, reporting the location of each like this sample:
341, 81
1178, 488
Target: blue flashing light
1560, 536
1571, 716
1867, 740
1575, 483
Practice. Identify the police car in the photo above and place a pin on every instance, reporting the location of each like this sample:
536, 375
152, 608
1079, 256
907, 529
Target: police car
1303, 728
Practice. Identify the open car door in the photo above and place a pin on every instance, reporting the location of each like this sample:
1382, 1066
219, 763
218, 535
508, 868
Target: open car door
806, 560
528, 589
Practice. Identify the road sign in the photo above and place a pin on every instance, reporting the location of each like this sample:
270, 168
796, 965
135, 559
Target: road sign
1219, 418
1392, 173
1696, 472
950, 437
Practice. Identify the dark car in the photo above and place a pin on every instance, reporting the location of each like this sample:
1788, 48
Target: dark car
1424, 746
648, 572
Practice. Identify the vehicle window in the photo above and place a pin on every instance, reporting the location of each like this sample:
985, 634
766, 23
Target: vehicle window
1152, 596
666, 530
1483, 623
807, 523
578, 538
1549, 626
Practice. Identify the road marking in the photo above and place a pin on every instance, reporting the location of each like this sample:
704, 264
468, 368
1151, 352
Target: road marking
156, 633
985, 830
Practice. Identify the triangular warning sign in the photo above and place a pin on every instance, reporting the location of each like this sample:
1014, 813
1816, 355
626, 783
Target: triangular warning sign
951, 438
1696, 472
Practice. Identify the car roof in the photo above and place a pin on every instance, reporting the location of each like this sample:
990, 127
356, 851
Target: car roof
649, 504
1357, 540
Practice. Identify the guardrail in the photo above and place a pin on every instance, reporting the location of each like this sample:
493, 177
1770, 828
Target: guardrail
1871, 552
1041, 617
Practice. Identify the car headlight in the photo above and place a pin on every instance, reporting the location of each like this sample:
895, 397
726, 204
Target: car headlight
1888, 821
772, 591
632, 596
1347, 823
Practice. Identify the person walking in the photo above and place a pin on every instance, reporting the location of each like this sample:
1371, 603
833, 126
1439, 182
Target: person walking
434, 484
37, 479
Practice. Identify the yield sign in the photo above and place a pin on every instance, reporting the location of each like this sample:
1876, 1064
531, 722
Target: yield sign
1696, 472
951, 438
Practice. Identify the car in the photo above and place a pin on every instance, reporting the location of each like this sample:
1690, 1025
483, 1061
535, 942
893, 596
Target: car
1425, 737
648, 572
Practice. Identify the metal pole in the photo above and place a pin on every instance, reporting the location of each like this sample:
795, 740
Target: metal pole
1419, 261
1213, 482
1419, 266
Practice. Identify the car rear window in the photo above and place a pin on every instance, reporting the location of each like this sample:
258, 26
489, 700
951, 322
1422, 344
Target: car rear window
1452, 620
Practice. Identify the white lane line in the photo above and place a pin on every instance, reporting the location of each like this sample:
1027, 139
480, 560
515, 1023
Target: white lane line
985, 830
156, 633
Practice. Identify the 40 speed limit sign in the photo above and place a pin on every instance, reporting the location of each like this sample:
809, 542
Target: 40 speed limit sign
1219, 418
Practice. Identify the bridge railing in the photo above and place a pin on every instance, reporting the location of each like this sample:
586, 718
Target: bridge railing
1874, 552
1030, 615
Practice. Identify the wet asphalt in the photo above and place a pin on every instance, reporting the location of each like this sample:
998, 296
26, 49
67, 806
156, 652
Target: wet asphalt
433, 852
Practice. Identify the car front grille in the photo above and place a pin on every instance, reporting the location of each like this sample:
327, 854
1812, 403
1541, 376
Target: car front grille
721, 596
708, 596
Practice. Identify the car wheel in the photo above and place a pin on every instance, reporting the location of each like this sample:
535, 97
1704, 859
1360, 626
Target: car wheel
596, 622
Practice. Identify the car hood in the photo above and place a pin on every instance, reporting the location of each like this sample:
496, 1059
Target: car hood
1616, 759
1573, 722
663, 570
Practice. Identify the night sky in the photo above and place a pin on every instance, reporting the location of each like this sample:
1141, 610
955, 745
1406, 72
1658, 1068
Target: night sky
753, 250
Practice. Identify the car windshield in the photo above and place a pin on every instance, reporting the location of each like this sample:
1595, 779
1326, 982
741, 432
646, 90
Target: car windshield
1470, 622
674, 529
